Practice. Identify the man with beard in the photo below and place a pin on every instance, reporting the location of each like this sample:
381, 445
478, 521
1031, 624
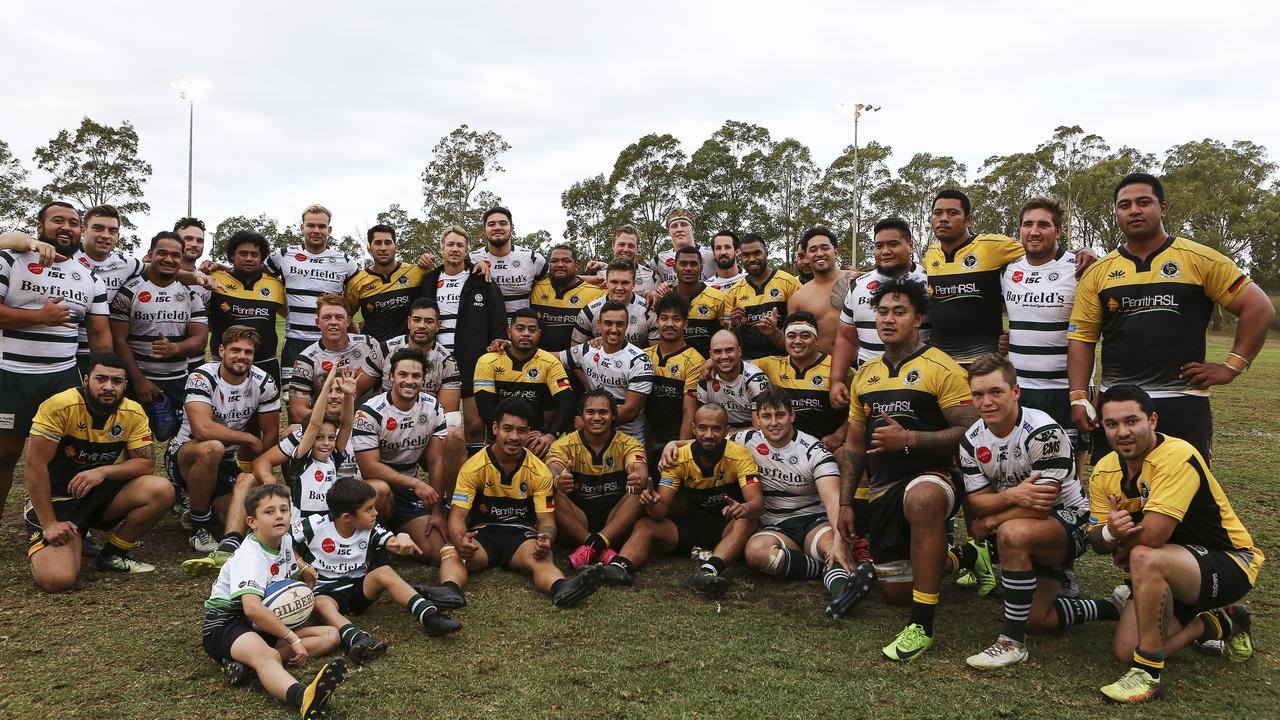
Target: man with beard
805, 373
824, 294
192, 232
857, 341
246, 295
759, 299
626, 246
1149, 302
384, 290
223, 399
97, 252
40, 309
725, 247
680, 229
75, 480
514, 269
617, 366
676, 368
335, 348
708, 307
731, 382
157, 324
560, 297
619, 287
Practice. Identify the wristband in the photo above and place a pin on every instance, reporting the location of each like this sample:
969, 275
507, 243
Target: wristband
1236, 369
1088, 408
1106, 534
453, 419
1078, 395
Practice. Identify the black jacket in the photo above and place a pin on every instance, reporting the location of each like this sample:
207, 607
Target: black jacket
482, 317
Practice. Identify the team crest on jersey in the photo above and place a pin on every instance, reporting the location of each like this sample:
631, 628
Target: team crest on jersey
1144, 490
775, 293
524, 488
574, 299
391, 423
515, 263
328, 545
75, 275
422, 419
1017, 451
117, 430
362, 544
970, 261
1170, 270
144, 296
793, 460
675, 369
1053, 277
704, 310
402, 280
983, 454
816, 380
1017, 276
608, 462
913, 377
479, 297
762, 449
534, 374
264, 292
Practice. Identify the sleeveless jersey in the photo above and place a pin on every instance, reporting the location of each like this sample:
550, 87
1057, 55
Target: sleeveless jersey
789, 475
858, 313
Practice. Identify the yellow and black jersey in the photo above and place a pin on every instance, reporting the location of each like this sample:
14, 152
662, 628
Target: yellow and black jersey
496, 498
758, 301
86, 441
254, 302
535, 380
384, 300
810, 391
675, 377
965, 300
1151, 314
709, 477
914, 394
707, 312
1175, 481
597, 477
558, 310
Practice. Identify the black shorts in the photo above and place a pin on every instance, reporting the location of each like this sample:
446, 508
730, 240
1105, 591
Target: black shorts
228, 470
500, 542
1057, 405
1222, 582
221, 630
1186, 417
699, 529
22, 393
597, 510
270, 366
1076, 524
405, 508
86, 512
348, 593
888, 531
796, 529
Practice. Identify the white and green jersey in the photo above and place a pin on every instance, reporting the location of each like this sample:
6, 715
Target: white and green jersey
628, 369
347, 468
250, 570
114, 272
27, 285
333, 556
738, 396
789, 475
153, 311
1036, 444
399, 436
1038, 299
514, 273
309, 482
642, 327
233, 404
306, 277
858, 314
441, 371
315, 361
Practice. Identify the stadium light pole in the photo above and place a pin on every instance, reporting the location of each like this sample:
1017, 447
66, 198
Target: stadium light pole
858, 109
190, 90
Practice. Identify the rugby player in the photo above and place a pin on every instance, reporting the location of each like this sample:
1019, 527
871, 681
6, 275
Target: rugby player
514, 269
98, 253
909, 409
676, 368
383, 290
1021, 486
560, 297
223, 399
246, 295
335, 348
626, 246
1149, 302
503, 514
40, 309
619, 287
442, 381
722, 498
617, 366
731, 382
708, 307
725, 247
805, 373
599, 473
824, 294
1162, 516
76, 480
759, 299
663, 265
533, 375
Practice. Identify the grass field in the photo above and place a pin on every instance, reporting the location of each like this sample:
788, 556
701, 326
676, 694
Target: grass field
129, 647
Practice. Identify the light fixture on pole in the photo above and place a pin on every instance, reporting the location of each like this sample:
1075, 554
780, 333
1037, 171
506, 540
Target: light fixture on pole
858, 109
190, 90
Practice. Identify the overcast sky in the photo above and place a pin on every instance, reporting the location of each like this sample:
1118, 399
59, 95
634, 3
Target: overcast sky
340, 103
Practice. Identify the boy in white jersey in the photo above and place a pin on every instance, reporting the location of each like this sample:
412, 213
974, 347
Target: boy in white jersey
733, 383
348, 550
313, 467
617, 366
513, 268
1020, 482
243, 634
335, 348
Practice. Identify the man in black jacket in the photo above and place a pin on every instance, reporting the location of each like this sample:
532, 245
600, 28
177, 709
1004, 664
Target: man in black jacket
472, 316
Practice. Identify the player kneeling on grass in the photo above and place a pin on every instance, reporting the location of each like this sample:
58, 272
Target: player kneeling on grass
348, 550
801, 484
235, 606
722, 486
74, 481
1020, 480
599, 473
1162, 516
503, 514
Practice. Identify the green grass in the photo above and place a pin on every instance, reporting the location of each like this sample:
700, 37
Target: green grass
129, 647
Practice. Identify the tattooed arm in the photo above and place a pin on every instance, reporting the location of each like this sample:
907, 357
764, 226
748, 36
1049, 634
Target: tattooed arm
945, 442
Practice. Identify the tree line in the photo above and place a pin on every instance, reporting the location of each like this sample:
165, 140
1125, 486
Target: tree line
1225, 195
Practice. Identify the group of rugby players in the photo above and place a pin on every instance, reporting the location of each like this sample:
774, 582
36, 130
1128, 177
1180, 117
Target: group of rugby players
494, 403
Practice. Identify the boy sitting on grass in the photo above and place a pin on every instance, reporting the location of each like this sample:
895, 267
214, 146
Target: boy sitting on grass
235, 606
349, 550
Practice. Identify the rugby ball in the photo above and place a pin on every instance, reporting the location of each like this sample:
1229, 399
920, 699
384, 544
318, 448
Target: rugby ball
291, 600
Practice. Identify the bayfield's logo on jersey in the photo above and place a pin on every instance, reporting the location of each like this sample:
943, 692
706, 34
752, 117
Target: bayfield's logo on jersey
391, 423
984, 455
762, 449
328, 545
595, 358
319, 476
439, 284
144, 296
275, 568
1017, 276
